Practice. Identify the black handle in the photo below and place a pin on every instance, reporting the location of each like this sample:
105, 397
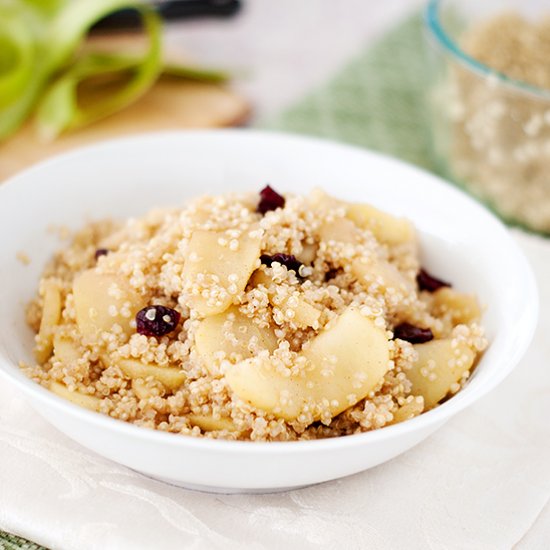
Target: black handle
171, 10
175, 9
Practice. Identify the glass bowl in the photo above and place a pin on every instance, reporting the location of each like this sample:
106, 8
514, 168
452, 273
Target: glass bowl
490, 131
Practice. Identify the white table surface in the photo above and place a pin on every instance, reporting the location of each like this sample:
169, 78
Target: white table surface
482, 481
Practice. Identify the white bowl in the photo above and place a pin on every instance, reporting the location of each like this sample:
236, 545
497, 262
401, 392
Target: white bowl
460, 242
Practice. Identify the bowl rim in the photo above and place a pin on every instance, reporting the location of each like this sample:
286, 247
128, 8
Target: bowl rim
436, 29
469, 394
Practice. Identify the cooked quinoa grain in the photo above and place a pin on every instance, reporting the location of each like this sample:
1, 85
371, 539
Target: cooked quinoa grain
226, 320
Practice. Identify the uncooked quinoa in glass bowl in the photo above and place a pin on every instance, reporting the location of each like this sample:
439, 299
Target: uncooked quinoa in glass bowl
490, 102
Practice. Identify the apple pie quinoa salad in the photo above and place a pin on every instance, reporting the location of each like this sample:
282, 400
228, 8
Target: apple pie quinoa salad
253, 317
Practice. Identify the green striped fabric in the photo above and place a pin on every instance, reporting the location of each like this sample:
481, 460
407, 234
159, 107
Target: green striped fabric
12, 542
376, 101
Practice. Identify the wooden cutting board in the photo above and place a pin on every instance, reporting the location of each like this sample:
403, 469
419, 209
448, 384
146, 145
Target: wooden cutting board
170, 104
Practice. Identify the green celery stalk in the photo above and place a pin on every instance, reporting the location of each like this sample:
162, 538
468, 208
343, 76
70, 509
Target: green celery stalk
19, 51
58, 27
59, 109
177, 70
40, 66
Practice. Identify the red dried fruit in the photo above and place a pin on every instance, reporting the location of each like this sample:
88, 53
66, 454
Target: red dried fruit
412, 334
429, 282
331, 273
270, 200
101, 252
288, 260
156, 320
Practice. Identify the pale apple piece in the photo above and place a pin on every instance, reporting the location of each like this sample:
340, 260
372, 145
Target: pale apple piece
206, 257
51, 315
83, 400
211, 336
386, 228
381, 272
440, 365
339, 230
170, 377
305, 315
409, 410
207, 423
464, 308
260, 277
65, 350
309, 253
346, 361
140, 388
361, 353
345, 231
319, 199
100, 301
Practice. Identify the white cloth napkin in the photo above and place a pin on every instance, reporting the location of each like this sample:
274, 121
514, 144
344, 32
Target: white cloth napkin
482, 481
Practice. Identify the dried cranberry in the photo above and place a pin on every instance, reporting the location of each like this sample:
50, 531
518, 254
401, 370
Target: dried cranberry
288, 260
331, 273
270, 200
429, 282
101, 252
412, 334
156, 320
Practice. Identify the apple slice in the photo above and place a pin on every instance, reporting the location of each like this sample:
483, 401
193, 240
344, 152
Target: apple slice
81, 399
382, 273
386, 228
65, 350
463, 308
440, 364
207, 423
305, 315
102, 300
51, 315
232, 332
216, 270
345, 362
171, 377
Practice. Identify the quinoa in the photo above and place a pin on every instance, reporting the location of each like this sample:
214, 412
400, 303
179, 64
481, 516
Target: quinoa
228, 322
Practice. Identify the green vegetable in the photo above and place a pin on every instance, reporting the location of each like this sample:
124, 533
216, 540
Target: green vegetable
16, 59
194, 73
41, 67
60, 110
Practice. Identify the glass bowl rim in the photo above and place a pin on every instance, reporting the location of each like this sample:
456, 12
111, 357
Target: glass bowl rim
436, 30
